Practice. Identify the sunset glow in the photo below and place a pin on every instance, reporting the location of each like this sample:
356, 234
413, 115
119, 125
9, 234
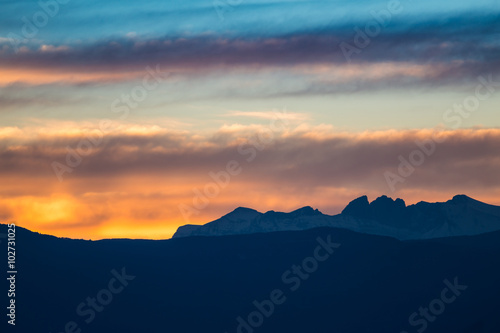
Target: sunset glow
131, 128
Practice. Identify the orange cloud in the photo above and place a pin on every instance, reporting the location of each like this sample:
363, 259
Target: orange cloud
40, 76
136, 183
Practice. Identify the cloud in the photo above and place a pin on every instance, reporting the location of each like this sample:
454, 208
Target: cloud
448, 50
268, 115
142, 175
310, 155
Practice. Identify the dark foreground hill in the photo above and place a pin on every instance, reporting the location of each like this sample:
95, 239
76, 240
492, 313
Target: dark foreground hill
344, 282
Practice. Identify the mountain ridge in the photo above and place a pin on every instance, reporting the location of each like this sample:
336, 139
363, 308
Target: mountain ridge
459, 216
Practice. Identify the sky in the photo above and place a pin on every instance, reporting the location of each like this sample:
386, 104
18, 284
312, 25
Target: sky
129, 119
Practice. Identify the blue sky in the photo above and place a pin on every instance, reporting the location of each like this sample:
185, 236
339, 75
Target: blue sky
207, 64
94, 20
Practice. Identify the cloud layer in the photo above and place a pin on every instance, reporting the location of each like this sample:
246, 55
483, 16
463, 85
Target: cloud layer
453, 49
155, 170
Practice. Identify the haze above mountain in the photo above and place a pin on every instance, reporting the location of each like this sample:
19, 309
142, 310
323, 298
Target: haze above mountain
459, 216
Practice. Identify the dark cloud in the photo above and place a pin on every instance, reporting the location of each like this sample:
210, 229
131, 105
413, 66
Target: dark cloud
455, 50
472, 38
466, 158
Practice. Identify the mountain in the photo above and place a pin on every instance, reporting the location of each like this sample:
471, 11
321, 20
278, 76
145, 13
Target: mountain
323, 280
384, 216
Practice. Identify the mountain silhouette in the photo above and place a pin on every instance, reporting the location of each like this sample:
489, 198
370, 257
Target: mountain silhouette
363, 283
384, 216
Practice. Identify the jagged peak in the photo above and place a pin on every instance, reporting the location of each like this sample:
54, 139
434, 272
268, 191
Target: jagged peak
306, 210
358, 207
386, 199
381, 207
361, 201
